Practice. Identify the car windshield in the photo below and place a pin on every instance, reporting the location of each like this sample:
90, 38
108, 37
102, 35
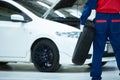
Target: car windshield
59, 13
38, 7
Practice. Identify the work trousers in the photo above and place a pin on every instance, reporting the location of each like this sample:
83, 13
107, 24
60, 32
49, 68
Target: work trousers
107, 26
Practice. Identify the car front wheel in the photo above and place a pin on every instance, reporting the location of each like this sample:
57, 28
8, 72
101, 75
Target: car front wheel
45, 56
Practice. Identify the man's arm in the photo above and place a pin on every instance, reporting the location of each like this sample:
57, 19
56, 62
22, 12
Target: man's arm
90, 4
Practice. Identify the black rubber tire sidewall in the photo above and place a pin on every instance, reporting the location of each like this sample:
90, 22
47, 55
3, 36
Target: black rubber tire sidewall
55, 53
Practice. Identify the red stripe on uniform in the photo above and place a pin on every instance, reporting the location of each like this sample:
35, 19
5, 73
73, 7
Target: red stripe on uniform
100, 21
115, 20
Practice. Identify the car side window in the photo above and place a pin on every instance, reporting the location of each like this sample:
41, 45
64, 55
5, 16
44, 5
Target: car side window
6, 10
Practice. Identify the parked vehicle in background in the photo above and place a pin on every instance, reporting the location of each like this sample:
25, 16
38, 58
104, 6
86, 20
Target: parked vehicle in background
28, 37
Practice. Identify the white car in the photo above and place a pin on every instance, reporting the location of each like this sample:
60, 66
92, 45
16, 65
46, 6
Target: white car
25, 37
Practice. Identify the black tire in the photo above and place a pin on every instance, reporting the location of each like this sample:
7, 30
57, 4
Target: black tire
45, 56
83, 45
103, 63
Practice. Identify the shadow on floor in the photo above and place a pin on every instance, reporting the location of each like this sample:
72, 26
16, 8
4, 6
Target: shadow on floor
63, 69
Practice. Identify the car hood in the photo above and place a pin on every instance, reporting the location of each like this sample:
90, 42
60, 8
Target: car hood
51, 27
64, 3
59, 4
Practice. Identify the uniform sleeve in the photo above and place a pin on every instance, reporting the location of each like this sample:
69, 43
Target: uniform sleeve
90, 4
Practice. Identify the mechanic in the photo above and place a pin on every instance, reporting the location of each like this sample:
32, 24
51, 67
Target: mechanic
107, 25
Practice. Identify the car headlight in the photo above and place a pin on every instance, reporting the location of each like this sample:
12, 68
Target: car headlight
68, 34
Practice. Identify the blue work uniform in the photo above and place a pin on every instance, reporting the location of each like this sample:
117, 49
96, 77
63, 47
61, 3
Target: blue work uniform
107, 24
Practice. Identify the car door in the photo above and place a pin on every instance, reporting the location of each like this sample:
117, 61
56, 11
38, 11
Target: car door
13, 35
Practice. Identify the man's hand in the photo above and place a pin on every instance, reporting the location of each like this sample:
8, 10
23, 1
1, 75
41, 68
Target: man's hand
81, 27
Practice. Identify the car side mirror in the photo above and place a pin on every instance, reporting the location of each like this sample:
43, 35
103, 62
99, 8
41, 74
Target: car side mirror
17, 18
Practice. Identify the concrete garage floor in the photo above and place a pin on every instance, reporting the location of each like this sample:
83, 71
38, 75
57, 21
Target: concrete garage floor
26, 71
